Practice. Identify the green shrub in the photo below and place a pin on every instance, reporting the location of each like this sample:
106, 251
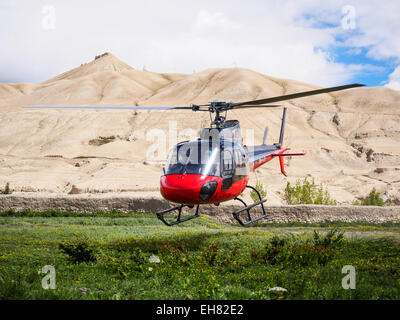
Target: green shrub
210, 255
274, 250
296, 252
6, 189
78, 250
123, 264
306, 254
372, 199
333, 238
261, 189
307, 192
273, 254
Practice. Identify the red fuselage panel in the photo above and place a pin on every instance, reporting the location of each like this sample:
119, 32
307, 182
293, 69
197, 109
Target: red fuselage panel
185, 188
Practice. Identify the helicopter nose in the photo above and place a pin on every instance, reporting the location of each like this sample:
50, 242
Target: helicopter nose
188, 188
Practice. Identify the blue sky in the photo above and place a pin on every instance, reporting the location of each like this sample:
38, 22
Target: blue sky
377, 77
378, 71
342, 49
320, 42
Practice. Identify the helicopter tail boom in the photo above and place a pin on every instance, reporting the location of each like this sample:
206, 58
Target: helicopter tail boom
259, 155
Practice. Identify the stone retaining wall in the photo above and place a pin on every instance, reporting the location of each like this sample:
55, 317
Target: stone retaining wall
296, 213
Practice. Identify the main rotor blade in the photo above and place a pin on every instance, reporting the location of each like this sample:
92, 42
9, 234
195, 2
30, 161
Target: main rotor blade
107, 108
257, 106
297, 95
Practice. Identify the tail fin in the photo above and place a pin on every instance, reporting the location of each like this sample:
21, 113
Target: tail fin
282, 127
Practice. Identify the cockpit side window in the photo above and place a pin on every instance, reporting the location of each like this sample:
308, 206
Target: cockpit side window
227, 163
241, 165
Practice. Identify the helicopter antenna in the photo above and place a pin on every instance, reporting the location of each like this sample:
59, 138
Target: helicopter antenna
265, 136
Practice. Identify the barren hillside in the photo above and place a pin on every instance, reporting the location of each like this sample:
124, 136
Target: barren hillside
352, 138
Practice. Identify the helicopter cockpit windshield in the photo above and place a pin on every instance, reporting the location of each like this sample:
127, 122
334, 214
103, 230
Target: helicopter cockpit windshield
195, 157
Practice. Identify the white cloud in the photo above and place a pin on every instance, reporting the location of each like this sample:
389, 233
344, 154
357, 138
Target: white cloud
394, 79
279, 38
296, 61
377, 24
214, 22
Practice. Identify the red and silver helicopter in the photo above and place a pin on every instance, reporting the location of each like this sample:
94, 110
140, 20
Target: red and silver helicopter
215, 167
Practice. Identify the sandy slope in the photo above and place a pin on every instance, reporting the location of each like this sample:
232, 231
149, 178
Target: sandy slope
352, 138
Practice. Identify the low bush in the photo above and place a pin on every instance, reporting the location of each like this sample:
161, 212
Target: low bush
296, 252
307, 192
261, 189
124, 264
372, 199
6, 189
78, 250
333, 238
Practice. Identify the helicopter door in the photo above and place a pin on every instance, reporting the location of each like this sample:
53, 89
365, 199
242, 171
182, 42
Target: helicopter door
227, 170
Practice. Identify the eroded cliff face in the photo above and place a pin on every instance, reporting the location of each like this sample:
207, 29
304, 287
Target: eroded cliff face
352, 138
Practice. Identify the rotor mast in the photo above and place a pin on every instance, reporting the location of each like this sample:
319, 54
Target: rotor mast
217, 107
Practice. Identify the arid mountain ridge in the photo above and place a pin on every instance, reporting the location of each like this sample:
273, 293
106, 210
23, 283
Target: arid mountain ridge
352, 138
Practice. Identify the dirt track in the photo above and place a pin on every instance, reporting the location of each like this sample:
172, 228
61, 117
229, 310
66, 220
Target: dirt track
105, 202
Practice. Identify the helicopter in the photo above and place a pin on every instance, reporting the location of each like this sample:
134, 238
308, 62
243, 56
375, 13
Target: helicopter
215, 167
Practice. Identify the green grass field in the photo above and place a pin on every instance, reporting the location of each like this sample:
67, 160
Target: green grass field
109, 258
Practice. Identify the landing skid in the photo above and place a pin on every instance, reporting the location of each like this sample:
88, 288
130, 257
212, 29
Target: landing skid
247, 208
179, 219
236, 214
